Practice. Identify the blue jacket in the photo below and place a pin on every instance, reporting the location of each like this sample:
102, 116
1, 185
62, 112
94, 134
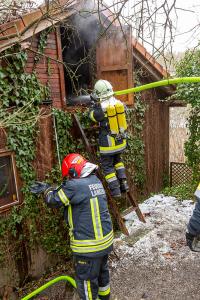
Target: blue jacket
194, 222
91, 232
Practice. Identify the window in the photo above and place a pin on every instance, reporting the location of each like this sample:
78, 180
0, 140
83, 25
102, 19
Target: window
9, 195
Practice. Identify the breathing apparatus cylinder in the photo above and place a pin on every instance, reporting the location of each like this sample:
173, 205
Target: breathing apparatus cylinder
121, 117
112, 119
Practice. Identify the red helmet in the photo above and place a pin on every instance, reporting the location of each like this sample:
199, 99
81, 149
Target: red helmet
72, 165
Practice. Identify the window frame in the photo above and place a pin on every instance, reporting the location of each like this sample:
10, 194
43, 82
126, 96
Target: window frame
4, 153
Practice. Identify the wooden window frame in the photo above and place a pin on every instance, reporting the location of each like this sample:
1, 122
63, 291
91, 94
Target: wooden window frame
4, 153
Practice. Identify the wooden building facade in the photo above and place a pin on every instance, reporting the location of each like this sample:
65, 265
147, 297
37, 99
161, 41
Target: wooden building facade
117, 60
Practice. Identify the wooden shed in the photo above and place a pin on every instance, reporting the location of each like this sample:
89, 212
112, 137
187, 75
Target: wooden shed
118, 56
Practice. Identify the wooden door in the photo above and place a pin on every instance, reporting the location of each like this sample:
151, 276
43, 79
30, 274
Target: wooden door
115, 60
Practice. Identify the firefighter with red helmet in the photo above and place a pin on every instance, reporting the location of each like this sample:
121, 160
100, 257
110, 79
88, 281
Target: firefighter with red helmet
91, 232
110, 114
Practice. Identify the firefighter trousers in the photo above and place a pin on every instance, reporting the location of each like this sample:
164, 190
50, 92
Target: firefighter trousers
92, 277
114, 172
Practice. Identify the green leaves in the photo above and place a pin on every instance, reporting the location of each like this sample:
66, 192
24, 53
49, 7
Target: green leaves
190, 93
134, 153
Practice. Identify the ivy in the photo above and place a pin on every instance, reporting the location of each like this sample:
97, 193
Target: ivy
190, 94
134, 153
23, 93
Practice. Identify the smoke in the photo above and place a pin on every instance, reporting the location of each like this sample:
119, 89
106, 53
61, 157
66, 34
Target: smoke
78, 39
87, 24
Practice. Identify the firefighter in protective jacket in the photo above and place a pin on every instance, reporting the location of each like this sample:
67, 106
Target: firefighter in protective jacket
91, 232
110, 114
193, 228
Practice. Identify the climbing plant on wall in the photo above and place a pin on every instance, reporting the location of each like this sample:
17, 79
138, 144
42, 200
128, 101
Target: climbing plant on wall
134, 153
190, 94
21, 95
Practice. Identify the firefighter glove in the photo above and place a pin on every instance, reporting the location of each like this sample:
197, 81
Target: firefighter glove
39, 187
189, 240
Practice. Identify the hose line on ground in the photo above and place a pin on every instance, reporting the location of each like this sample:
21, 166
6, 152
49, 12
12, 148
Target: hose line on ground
157, 84
48, 284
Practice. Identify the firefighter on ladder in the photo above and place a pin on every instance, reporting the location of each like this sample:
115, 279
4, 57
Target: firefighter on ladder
90, 225
110, 114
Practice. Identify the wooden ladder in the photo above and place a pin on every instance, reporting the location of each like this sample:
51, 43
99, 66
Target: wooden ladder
112, 204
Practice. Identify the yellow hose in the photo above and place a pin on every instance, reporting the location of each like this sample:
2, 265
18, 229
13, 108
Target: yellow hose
157, 84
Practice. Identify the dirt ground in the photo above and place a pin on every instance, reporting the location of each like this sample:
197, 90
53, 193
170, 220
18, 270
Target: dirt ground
154, 262
177, 279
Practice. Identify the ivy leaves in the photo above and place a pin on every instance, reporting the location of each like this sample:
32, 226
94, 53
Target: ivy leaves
190, 93
134, 153
18, 88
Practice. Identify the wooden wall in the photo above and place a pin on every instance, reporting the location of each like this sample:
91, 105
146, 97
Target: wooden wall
49, 70
156, 139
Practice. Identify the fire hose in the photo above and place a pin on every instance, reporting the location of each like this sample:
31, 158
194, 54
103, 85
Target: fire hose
157, 84
50, 283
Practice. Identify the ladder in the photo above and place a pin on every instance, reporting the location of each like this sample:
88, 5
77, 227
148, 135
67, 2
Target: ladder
112, 204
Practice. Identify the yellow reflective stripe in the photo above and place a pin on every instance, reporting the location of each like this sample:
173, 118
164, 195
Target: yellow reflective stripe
80, 243
93, 219
96, 220
112, 148
63, 197
92, 248
120, 164
92, 116
104, 291
99, 219
70, 221
89, 290
110, 176
111, 141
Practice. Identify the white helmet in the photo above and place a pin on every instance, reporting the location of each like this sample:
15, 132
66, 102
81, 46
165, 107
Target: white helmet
103, 89
88, 169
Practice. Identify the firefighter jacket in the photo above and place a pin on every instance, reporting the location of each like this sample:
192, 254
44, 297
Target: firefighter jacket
109, 144
90, 226
194, 222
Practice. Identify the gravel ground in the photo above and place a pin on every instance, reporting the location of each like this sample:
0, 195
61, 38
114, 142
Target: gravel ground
153, 263
177, 278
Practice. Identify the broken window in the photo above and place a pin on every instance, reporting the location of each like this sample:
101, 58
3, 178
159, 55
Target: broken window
8, 181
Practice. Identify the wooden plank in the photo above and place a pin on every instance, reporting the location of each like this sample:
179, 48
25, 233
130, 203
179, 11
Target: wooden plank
114, 68
112, 203
51, 77
61, 68
114, 60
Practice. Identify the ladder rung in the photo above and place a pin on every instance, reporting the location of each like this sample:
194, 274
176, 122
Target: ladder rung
128, 211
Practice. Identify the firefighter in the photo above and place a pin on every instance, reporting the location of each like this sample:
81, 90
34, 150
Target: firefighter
90, 227
193, 228
110, 114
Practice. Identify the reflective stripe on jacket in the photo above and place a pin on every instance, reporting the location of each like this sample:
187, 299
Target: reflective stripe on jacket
91, 232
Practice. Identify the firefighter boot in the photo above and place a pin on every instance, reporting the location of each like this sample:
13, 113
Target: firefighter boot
124, 186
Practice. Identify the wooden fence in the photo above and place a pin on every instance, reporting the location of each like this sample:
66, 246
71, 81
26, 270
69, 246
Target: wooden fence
180, 173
